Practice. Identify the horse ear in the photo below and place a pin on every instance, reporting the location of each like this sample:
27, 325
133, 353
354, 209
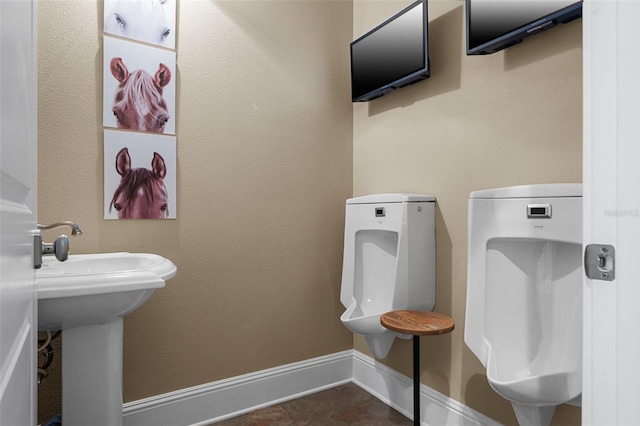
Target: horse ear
163, 76
123, 162
157, 166
119, 69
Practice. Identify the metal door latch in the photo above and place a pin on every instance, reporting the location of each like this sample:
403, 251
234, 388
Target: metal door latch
37, 249
599, 262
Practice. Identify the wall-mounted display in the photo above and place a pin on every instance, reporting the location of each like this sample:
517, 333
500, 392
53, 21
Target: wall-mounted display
493, 25
139, 175
392, 55
148, 21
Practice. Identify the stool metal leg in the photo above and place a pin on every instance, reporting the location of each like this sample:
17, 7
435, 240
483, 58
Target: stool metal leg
416, 380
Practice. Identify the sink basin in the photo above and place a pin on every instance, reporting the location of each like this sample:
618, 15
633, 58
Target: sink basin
87, 297
97, 288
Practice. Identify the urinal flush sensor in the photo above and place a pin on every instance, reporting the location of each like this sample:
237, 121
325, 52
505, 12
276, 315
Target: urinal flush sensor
539, 211
380, 212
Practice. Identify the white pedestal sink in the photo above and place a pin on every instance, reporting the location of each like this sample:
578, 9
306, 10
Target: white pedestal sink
86, 297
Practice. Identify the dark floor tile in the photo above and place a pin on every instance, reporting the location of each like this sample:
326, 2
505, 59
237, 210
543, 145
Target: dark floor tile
374, 412
325, 404
274, 415
343, 405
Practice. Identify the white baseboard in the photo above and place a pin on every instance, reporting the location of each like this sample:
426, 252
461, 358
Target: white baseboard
396, 390
212, 402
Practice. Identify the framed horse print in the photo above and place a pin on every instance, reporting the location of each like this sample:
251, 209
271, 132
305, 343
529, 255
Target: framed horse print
139, 175
147, 21
139, 90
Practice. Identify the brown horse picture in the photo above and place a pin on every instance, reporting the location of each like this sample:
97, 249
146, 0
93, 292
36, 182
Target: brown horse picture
141, 193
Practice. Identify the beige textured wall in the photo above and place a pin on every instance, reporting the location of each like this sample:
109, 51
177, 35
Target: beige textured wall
264, 135
479, 122
264, 165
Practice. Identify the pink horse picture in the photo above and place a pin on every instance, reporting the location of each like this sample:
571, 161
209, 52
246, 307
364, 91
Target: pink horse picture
139, 88
140, 178
138, 103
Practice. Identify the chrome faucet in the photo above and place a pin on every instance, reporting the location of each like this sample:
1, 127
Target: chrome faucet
59, 248
75, 229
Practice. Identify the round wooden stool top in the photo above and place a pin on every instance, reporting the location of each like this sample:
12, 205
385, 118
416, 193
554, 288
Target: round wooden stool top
417, 323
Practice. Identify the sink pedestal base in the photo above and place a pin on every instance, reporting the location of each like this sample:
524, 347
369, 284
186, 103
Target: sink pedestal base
92, 375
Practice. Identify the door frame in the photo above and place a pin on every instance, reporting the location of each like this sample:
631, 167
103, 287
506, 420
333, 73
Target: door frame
611, 179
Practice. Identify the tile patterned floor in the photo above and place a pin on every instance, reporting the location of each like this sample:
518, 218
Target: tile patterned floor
343, 405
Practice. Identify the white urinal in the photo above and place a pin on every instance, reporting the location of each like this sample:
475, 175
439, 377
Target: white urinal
388, 263
524, 295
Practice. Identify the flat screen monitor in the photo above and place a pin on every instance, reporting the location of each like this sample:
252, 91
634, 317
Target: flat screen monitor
493, 25
392, 55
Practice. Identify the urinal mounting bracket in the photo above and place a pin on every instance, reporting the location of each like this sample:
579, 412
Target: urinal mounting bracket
600, 262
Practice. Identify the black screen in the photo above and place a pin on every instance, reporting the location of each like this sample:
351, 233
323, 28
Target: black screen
488, 20
392, 51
